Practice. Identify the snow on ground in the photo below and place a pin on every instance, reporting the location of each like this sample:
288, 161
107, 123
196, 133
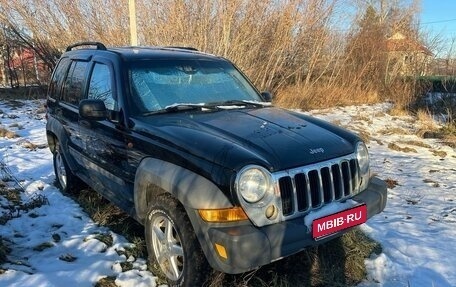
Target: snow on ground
418, 227
57, 244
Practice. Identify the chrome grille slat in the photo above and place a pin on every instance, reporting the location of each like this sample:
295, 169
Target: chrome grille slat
353, 167
307, 193
320, 188
349, 177
333, 191
337, 179
346, 177
310, 187
295, 196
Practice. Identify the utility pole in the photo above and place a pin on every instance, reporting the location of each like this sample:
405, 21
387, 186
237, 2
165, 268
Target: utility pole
133, 32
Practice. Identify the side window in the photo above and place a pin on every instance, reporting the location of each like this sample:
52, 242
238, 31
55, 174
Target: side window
100, 86
55, 85
74, 83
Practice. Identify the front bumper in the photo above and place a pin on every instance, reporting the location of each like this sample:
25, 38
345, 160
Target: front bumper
248, 247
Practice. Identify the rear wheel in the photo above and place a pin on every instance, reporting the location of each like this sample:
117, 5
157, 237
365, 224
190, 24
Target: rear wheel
66, 180
172, 245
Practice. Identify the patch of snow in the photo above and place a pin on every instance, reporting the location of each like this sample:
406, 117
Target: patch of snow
418, 226
77, 258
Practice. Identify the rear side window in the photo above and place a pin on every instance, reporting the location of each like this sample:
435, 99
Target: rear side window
100, 86
74, 82
55, 86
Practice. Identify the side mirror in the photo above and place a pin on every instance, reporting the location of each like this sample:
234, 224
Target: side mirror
267, 96
92, 110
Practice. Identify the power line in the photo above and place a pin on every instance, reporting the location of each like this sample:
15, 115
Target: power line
440, 21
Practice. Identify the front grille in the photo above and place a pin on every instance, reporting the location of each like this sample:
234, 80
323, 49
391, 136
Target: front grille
310, 187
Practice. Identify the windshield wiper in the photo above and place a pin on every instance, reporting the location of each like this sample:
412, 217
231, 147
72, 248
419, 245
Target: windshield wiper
180, 107
240, 103
176, 108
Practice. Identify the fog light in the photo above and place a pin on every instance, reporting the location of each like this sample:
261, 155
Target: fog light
271, 212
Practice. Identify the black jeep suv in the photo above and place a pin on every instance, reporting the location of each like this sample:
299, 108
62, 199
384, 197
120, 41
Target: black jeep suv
183, 142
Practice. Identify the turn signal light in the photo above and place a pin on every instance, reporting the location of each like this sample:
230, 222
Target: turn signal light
223, 215
221, 250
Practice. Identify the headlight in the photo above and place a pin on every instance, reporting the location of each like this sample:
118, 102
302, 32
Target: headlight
255, 187
253, 183
362, 155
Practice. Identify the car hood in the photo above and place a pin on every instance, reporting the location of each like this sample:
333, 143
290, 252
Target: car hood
275, 138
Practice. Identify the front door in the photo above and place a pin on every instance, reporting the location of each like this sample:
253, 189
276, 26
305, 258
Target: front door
104, 144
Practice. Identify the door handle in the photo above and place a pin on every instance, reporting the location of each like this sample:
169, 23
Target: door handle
85, 124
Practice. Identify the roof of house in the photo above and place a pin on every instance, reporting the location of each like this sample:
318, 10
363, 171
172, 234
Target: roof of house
400, 43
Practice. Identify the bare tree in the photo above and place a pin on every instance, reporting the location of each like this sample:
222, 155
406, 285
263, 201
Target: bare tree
308, 52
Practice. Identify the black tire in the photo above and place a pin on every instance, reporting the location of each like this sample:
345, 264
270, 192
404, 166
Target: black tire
172, 245
66, 180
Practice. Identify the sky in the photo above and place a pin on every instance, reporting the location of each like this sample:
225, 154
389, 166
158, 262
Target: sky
439, 18
439, 15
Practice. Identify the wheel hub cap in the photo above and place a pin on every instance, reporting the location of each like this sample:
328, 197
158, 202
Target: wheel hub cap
167, 247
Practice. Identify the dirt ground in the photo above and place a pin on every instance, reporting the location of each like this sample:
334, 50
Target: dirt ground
23, 93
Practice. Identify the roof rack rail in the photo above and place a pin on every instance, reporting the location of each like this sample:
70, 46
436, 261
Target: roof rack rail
182, 48
100, 46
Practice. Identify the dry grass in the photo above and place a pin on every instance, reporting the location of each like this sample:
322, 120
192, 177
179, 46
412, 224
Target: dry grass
67, 257
439, 153
391, 183
398, 111
10, 95
432, 182
396, 147
362, 118
450, 141
336, 263
13, 195
426, 120
426, 123
7, 133
415, 143
16, 125
362, 133
109, 281
43, 246
446, 134
106, 238
15, 206
107, 214
394, 130
322, 96
4, 251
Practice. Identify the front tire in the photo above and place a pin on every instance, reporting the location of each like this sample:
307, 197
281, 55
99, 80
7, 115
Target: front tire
172, 244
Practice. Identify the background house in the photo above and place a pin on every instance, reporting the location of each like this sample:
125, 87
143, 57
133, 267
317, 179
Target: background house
407, 56
20, 66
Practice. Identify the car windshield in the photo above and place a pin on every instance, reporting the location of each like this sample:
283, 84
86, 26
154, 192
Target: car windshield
160, 84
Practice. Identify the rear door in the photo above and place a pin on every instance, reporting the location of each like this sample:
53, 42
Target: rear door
65, 92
